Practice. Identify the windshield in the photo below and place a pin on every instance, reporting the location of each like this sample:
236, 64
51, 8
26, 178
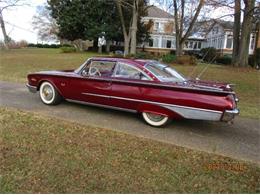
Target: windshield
164, 73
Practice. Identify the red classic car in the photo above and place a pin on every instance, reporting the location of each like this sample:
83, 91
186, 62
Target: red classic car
148, 87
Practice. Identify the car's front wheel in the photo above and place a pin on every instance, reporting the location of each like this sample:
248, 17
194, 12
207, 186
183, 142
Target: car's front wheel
156, 120
48, 94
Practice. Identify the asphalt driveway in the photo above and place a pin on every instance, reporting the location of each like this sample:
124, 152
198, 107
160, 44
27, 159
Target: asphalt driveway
240, 140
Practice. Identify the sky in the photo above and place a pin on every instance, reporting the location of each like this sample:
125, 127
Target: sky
19, 20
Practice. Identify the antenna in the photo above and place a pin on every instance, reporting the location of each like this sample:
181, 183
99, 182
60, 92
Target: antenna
204, 69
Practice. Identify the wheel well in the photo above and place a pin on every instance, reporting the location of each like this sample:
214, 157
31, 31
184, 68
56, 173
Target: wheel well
157, 109
40, 83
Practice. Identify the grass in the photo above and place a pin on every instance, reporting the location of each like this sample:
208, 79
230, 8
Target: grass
44, 155
16, 64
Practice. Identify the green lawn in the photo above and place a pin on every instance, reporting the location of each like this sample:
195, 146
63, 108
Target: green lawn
16, 64
43, 155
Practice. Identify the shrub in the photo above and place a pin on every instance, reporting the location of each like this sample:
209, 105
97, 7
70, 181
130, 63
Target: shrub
186, 60
168, 58
208, 54
143, 55
68, 49
140, 55
116, 47
39, 45
226, 60
17, 44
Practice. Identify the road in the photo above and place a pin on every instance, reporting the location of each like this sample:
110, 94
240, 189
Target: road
240, 140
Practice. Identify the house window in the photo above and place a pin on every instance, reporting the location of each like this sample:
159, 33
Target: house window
190, 44
215, 30
161, 27
186, 44
164, 43
156, 26
229, 42
195, 45
156, 42
150, 42
199, 45
169, 44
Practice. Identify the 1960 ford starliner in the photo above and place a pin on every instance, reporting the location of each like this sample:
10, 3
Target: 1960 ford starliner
148, 87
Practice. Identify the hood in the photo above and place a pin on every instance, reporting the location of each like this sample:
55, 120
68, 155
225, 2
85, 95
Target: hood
56, 72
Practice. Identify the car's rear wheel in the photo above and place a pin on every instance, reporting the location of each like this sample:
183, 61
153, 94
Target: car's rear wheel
48, 94
156, 120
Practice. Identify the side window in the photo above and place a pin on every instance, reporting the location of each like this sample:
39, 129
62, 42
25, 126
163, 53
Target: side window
99, 69
129, 72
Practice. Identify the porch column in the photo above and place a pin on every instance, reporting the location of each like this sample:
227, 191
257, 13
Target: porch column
225, 41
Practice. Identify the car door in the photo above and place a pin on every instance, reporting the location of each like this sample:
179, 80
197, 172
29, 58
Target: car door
93, 85
126, 86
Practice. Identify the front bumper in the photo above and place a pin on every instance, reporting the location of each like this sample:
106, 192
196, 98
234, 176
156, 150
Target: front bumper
229, 115
31, 88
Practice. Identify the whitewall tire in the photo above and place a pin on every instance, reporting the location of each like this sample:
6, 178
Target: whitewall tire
155, 120
48, 94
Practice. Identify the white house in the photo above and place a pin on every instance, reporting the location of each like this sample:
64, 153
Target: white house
212, 33
161, 30
220, 36
162, 33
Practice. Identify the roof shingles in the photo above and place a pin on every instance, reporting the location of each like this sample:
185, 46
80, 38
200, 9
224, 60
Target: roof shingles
155, 12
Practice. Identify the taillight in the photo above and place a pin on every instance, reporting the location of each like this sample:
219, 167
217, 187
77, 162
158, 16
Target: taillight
231, 98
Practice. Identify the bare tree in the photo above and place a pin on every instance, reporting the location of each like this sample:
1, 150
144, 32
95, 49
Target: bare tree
45, 25
134, 26
4, 5
183, 23
124, 28
245, 10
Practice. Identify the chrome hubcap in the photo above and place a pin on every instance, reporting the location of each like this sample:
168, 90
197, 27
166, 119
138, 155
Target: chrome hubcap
47, 93
155, 117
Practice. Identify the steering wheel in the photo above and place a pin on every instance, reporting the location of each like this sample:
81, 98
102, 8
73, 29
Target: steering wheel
93, 71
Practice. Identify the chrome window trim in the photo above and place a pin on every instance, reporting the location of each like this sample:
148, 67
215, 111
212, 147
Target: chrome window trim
88, 63
154, 61
134, 67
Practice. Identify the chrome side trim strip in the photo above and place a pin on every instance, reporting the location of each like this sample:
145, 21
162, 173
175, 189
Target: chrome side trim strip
97, 95
156, 103
196, 114
101, 105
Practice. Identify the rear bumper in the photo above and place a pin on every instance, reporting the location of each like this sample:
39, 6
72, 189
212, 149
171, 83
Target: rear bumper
229, 115
31, 88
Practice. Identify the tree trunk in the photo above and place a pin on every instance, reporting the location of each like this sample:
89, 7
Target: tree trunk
126, 45
177, 29
180, 39
6, 38
236, 33
100, 49
108, 46
245, 33
134, 27
126, 35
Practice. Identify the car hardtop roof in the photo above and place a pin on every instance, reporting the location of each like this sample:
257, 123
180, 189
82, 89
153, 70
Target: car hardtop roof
140, 62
